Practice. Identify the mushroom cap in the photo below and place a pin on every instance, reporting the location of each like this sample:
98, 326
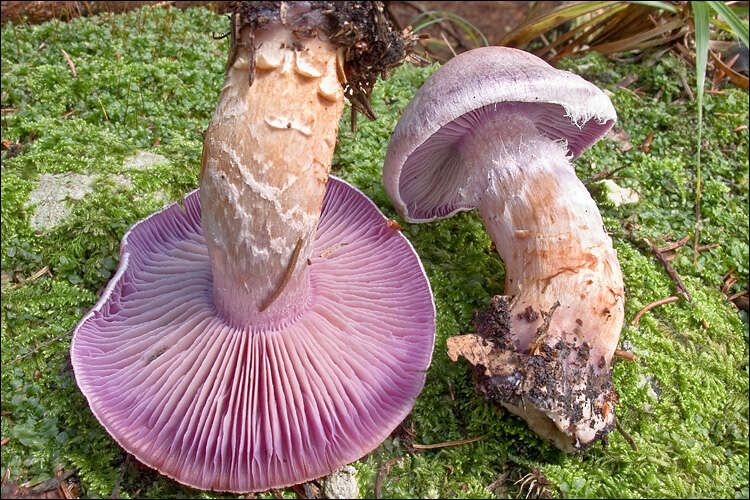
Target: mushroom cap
422, 173
237, 409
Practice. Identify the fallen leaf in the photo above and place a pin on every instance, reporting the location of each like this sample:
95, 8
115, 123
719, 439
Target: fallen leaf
620, 136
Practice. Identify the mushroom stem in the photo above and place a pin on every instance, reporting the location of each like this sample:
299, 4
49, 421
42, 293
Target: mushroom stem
266, 160
550, 235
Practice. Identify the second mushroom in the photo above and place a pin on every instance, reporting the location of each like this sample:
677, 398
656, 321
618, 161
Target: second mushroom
496, 129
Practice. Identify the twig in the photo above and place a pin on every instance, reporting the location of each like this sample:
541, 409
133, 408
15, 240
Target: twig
326, 253
707, 247
116, 487
547, 44
442, 34
687, 86
67, 490
311, 489
627, 437
408, 431
287, 275
728, 284
604, 174
626, 355
36, 349
739, 300
36, 275
675, 245
659, 302
647, 143
632, 92
541, 332
445, 445
5, 441
496, 484
102, 106
670, 270
299, 489
70, 63
445, 26
728, 273
382, 474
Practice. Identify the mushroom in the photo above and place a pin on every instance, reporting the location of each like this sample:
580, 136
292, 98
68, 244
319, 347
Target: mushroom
496, 129
272, 327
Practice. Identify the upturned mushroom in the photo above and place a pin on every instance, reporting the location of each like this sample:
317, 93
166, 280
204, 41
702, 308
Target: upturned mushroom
273, 327
496, 129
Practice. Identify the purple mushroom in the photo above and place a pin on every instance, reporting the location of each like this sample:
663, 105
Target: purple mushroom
273, 326
496, 129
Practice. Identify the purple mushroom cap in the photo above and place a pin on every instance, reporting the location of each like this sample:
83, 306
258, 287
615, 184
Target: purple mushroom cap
220, 407
423, 174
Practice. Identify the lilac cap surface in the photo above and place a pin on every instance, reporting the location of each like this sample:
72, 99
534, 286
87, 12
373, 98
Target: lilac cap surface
423, 172
236, 409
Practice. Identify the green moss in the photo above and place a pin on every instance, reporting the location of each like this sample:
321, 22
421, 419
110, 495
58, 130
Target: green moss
157, 74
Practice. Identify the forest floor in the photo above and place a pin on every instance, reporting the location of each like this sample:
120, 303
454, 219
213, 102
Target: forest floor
108, 110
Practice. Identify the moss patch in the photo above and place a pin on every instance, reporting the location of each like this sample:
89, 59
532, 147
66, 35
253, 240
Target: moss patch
157, 73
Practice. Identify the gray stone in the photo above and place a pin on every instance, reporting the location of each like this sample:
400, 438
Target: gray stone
619, 195
51, 194
341, 483
143, 160
654, 388
122, 180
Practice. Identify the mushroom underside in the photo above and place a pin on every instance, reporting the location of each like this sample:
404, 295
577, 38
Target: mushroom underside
220, 407
434, 182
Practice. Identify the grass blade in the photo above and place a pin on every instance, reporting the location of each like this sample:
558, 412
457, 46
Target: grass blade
586, 27
637, 41
701, 18
739, 27
439, 16
468, 27
658, 5
552, 19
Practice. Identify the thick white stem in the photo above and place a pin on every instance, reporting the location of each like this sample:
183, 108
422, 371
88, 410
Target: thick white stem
266, 158
550, 236
558, 259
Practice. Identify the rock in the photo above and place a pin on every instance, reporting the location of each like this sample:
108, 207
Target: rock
341, 483
619, 195
122, 180
143, 160
654, 388
50, 196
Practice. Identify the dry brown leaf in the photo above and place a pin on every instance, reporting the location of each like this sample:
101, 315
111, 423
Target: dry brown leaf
480, 352
734, 77
620, 136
